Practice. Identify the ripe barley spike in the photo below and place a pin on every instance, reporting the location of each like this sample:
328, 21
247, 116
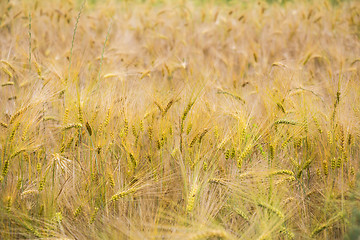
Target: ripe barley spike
179, 119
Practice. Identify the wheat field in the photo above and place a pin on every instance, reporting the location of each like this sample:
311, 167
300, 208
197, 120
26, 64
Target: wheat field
179, 119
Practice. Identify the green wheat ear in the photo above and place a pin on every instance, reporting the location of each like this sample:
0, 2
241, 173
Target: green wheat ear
327, 224
285, 121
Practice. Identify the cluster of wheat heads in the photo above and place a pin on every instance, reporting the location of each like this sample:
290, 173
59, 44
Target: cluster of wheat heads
178, 119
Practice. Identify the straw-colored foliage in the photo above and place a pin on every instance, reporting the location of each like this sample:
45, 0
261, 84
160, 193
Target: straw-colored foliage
179, 119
